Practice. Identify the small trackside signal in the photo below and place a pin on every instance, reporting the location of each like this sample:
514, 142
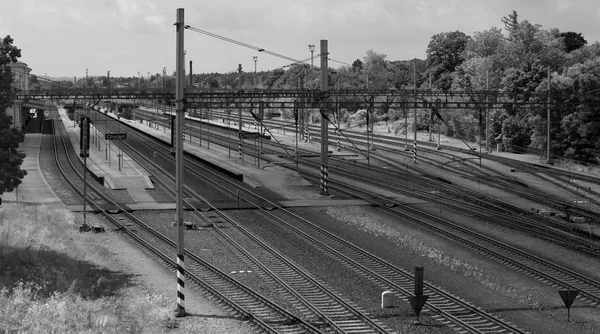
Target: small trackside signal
84, 137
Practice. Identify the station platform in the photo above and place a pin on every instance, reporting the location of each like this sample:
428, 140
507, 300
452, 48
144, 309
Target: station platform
263, 173
34, 189
109, 165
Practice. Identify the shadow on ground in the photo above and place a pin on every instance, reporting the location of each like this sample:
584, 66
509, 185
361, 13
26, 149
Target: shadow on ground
50, 271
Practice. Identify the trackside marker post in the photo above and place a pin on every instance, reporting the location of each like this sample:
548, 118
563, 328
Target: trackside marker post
418, 300
568, 297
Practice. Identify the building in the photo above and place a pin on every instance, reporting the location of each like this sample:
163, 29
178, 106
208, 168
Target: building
20, 75
27, 114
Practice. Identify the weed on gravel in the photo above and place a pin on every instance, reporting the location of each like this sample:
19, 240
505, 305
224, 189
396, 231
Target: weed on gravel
357, 218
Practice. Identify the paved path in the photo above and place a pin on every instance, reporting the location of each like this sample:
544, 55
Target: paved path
34, 189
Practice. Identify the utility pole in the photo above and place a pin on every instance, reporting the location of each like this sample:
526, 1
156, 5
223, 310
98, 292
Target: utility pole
180, 311
548, 159
415, 119
191, 86
430, 112
191, 79
324, 122
487, 112
255, 59
240, 139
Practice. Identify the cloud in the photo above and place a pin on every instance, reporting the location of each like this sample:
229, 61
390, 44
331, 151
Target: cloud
139, 16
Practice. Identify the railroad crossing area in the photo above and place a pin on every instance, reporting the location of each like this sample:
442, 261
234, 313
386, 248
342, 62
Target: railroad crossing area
108, 164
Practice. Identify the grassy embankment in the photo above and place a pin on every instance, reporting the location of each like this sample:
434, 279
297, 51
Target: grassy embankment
49, 283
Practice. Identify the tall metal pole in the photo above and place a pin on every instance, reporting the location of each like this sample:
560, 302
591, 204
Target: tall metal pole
191, 83
84, 127
324, 122
430, 118
296, 110
487, 112
406, 127
240, 152
548, 159
368, 142
415, 119
180, 311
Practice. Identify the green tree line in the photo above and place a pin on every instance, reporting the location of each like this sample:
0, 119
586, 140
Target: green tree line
513, 59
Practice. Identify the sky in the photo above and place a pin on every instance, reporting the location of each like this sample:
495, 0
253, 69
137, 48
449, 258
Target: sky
133, 38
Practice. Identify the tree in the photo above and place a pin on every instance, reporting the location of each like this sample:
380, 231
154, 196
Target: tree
11, 173
484, 43
511, 24
444, 53
375, 67
446, 49
580, 124
357, 65
572, 41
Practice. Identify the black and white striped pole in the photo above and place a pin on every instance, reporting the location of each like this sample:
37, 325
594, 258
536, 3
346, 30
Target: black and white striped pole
415, 120
240, 153
180, 310
415, 139
324, 119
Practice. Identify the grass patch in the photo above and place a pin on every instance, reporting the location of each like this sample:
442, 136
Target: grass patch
364, 222
48, 284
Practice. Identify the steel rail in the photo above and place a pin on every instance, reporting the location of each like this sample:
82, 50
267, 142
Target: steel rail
277, 321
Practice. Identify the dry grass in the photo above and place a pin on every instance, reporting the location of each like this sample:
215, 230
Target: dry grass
47, 286
364, 222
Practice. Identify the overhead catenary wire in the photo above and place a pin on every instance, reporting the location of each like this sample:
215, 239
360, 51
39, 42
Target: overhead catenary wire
256, 48
246, 45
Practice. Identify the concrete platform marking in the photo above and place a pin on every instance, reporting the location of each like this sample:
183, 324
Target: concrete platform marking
131, 182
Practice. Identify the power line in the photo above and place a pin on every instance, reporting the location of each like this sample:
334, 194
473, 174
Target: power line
256, 48
246, 45
341, 62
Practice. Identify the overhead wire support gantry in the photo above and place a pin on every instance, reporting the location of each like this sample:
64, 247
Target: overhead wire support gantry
314, 97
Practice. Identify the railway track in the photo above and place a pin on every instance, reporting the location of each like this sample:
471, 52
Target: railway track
560, 279
484, 175
237, 297
447, 308
316, 303
543, 270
